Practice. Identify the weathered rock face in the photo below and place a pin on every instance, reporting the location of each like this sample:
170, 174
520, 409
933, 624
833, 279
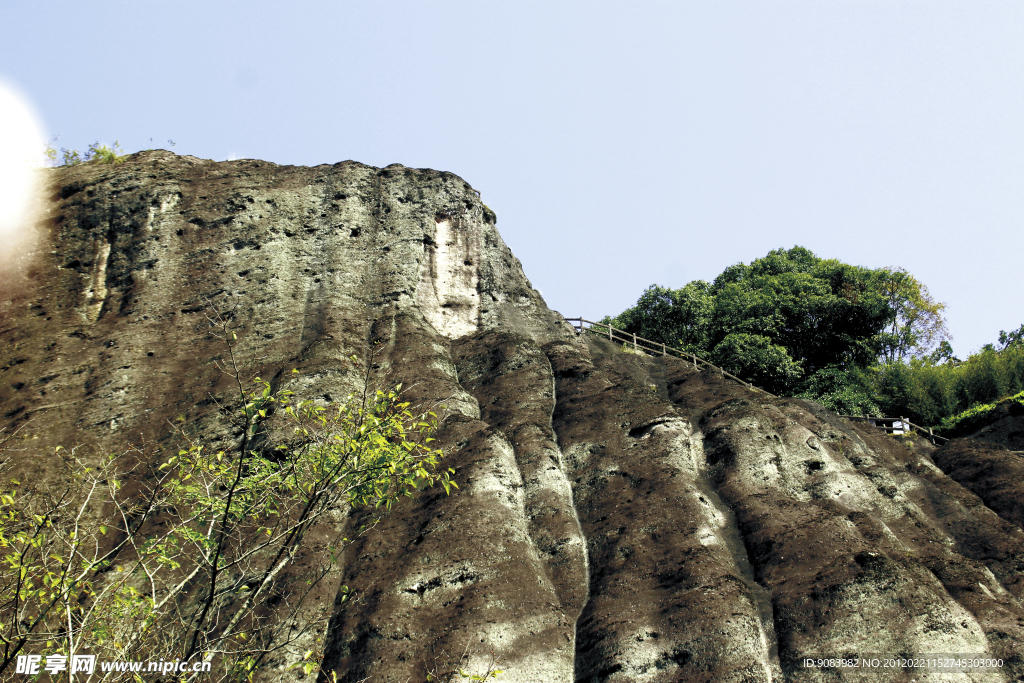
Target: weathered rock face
620, 518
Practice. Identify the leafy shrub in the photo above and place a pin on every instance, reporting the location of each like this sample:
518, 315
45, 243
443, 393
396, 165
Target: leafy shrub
755, 359
97, 153
187, 567
964, 420
989, 375
846, 391
914, 390
100, 154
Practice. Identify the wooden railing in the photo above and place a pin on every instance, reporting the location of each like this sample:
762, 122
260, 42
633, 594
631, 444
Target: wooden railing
652, 348
889, 425
659, 349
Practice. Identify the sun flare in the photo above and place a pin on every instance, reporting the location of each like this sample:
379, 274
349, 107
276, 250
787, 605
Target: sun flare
21, 153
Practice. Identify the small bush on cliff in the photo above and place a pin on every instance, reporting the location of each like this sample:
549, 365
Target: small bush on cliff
97, 153
444, 669
201, 562
100, 154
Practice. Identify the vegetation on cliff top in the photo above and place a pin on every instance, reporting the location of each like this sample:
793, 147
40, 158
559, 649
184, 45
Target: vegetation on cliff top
933, 391
97, 153
860, 341
979, 415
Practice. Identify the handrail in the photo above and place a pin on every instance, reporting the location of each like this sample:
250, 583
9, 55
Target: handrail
638, 342
891, 428
630, 338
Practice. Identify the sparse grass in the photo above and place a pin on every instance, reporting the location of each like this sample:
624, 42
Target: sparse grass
631, 349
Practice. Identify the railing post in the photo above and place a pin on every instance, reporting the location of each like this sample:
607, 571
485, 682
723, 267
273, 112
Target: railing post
634, 341
609, 333
695, 362
931, 436
663, 350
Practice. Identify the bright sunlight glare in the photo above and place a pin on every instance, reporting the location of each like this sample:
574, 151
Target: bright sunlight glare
21, 151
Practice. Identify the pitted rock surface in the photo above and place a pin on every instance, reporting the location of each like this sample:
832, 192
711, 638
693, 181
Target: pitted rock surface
619, 518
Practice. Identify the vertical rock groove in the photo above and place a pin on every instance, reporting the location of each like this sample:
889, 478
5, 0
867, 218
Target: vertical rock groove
667, 601
729, 535
96, 295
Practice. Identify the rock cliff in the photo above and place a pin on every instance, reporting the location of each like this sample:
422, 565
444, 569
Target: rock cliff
619, 518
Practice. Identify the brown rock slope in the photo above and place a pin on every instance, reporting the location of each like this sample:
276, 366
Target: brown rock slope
620, 518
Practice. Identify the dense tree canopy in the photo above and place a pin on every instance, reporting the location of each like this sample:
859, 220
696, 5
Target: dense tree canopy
787, 316
857, 340
822, 312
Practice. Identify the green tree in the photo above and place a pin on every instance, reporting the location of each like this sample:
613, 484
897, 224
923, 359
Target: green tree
754, 358
679, 318
915, 323
822, 312
845, 391
796, 315
193, 565
1014, 338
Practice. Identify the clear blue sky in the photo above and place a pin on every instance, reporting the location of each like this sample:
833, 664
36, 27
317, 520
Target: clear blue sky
620, 144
